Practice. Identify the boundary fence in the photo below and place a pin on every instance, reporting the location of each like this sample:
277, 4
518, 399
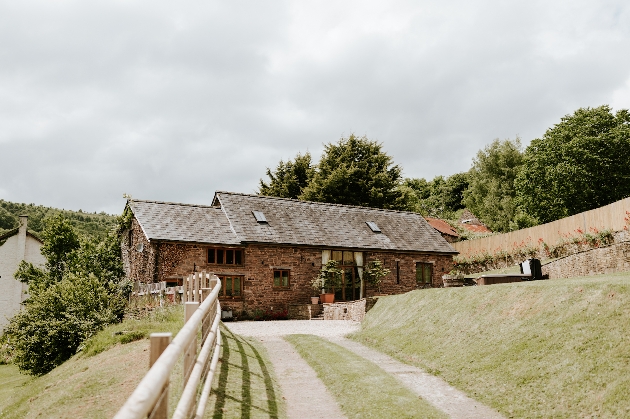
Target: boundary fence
151, 396
612, 216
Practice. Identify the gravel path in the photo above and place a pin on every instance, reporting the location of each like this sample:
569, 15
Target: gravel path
305, 393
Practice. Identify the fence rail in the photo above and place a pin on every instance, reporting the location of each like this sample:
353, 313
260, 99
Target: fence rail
607, 217
202, 309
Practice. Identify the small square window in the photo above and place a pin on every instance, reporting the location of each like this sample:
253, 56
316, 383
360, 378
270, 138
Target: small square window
281, 278
424, 273
211, 256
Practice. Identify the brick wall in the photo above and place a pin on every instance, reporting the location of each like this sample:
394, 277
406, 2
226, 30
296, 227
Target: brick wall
259, 261
603, 260
406, 279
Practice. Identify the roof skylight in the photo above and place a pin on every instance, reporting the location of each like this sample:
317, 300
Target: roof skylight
373, 226
260, 217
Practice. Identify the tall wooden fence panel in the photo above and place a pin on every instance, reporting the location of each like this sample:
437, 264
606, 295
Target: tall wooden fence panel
611, 217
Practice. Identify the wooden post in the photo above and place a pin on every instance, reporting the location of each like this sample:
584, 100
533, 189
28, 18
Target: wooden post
191, 351
185, 284
159, 342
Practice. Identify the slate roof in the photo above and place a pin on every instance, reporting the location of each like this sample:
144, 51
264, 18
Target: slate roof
230, 221
15, 231
169, 221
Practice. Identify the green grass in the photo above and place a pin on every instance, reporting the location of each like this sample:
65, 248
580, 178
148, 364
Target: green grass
361, 388
244, 385
96, 382
168, 319
558, 348
82, 387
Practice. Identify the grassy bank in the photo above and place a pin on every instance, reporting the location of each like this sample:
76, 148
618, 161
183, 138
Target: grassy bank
361, 388
96, 382
557, 348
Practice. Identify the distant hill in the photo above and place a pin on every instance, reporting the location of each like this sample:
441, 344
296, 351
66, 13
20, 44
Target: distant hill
88, 224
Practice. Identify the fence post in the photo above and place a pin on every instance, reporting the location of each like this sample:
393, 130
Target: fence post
159, 342
191, 351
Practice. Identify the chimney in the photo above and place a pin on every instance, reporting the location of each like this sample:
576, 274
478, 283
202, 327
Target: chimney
21, 250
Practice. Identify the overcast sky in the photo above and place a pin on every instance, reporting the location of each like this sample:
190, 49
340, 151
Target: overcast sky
174, 100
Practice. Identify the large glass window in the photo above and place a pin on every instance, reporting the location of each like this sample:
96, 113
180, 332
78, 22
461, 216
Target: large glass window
231, 286
222, 256
424, 273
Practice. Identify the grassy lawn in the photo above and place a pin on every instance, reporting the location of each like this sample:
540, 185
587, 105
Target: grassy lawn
361, 388
244, 385
558, 348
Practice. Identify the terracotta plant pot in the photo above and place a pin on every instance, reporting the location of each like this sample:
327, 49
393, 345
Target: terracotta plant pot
327, 298
314, 300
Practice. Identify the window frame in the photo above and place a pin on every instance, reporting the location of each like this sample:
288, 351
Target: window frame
223, 251
273, 278
222, 293
422, 265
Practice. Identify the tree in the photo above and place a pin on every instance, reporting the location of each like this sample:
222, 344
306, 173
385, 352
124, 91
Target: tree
81, 290
491, 194
440, 197
289, 179
356, 171
580, 164
60, 243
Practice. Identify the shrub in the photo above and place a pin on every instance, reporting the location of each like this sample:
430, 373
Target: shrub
55, 321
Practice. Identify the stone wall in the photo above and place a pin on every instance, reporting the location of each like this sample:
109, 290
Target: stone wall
602, 260
138, 255
304, 311
405, 280
165, 261
350, 310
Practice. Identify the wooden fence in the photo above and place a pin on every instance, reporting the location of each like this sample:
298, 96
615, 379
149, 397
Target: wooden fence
151, 396
611, 217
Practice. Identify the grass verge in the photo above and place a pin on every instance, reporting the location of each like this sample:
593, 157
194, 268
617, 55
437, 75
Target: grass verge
558, 348
167, 319
244, 386
361, 388
95, 382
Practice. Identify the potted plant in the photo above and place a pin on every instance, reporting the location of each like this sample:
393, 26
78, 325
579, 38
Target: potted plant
315, 300
374, 272
329, 278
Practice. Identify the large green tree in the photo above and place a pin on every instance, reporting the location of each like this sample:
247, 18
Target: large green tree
440, 197
491, 194
289, 179
581, 163
356, 171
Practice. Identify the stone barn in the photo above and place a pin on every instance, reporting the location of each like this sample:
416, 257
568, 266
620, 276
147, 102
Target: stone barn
267, 250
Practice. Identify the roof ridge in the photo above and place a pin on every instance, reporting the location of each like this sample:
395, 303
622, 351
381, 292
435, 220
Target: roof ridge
172, 203
277, 198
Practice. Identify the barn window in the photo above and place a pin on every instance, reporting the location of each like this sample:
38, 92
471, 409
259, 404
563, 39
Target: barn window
281, 278
222, 256
424, 273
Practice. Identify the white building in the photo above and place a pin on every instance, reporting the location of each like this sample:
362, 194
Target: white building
15, 246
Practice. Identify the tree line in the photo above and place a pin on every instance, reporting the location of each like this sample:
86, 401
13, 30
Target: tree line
581, 163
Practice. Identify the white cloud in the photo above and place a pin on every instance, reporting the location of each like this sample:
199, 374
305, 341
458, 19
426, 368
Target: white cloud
175, 100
